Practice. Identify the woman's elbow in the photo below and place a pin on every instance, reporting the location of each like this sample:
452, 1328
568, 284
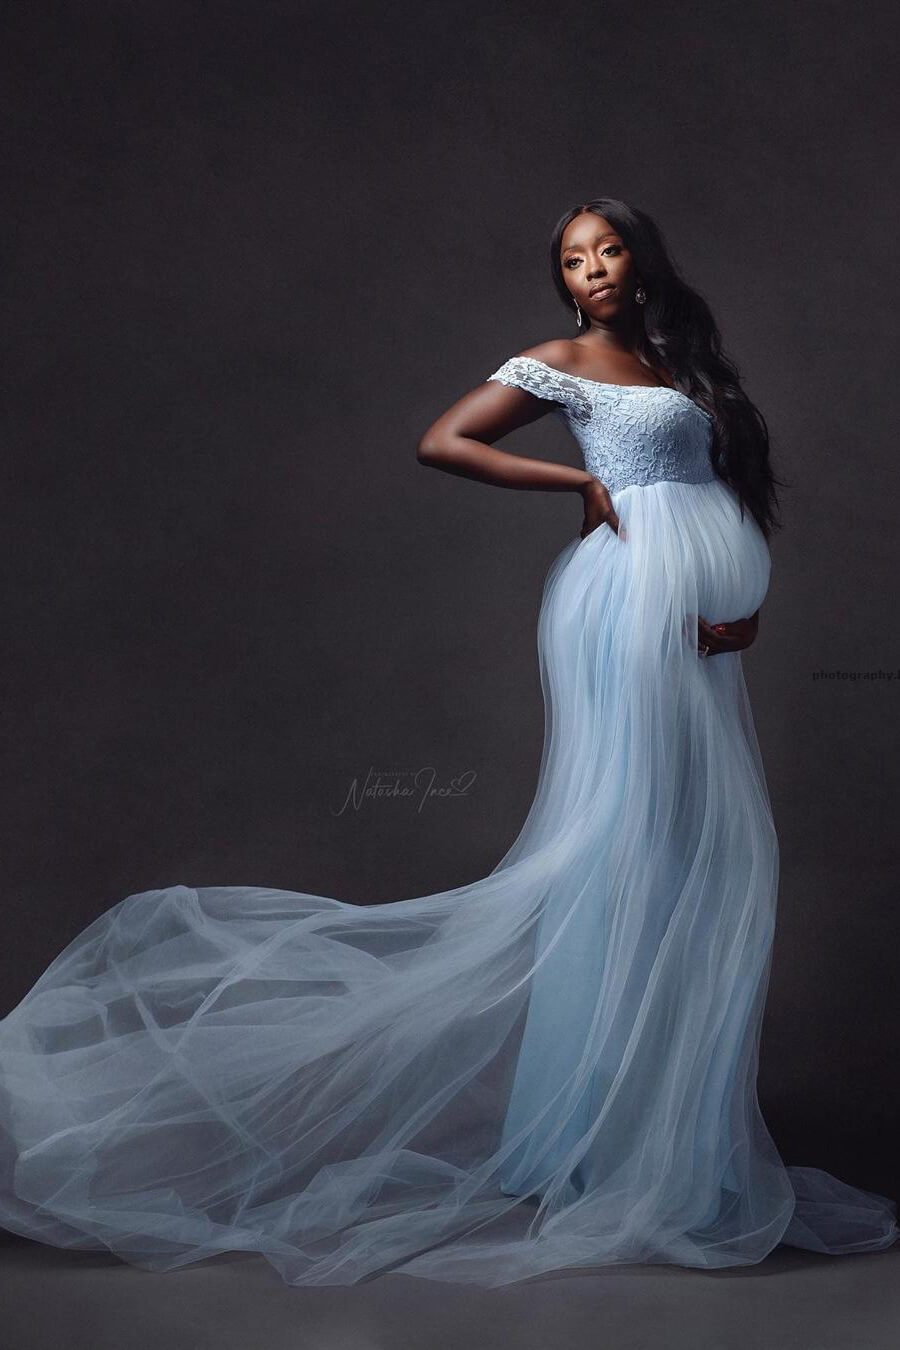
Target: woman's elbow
432, 450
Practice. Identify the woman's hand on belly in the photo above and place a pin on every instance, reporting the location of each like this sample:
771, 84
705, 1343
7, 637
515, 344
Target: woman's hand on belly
727, 637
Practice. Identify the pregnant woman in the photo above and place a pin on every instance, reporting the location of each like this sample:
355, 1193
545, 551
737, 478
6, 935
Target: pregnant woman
553, 1066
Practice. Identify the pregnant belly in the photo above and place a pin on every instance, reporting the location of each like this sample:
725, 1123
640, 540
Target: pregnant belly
731, 555
689, 539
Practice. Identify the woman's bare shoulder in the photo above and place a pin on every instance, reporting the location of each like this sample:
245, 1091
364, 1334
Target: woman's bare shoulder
561, 353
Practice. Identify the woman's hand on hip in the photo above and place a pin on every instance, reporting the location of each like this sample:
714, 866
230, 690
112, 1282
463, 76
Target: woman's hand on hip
598, 508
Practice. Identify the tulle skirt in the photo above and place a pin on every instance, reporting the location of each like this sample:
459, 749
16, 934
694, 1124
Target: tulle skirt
551, 1067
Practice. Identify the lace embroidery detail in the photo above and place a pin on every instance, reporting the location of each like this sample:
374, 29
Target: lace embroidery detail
628, 434
544, 382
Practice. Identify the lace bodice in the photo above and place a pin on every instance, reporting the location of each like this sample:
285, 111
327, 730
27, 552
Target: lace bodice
628, 433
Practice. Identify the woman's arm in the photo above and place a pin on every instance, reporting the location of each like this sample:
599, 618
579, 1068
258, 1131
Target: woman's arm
461, 442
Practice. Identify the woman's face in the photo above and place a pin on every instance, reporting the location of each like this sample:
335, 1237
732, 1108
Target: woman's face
597, 267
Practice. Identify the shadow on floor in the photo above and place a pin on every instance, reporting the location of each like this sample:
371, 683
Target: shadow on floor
791, 1301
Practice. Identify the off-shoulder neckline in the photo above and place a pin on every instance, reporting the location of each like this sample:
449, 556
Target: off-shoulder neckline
607, 384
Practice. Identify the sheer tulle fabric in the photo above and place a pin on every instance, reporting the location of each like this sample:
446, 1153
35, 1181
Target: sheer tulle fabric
552, 1067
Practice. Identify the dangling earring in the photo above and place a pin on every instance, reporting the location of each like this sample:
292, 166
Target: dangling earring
640, 295
577, 311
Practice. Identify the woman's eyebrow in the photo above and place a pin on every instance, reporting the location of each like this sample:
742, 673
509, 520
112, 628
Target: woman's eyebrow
574, 248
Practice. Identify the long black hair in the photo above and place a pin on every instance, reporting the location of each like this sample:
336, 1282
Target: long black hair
680, 334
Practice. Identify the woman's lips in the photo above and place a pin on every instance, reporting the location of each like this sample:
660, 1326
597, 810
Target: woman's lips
603, 293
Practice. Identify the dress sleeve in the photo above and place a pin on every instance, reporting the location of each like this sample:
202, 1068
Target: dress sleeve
525, 372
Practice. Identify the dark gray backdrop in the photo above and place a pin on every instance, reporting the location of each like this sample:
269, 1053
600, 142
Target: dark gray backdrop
256, 248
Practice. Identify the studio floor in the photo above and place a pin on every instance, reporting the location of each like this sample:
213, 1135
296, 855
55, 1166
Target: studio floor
791, 1301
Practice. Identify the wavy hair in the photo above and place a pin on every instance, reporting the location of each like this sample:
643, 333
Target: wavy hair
680, 335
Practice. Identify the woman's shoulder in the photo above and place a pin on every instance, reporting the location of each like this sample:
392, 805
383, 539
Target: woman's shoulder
559, 353
570, 357
546, 370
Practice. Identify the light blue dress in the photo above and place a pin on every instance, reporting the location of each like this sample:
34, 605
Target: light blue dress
549, 1068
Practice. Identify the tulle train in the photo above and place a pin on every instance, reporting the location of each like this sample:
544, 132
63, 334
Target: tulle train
551, 1067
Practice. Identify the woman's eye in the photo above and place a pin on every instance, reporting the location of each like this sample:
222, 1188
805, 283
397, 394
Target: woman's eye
610, 248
